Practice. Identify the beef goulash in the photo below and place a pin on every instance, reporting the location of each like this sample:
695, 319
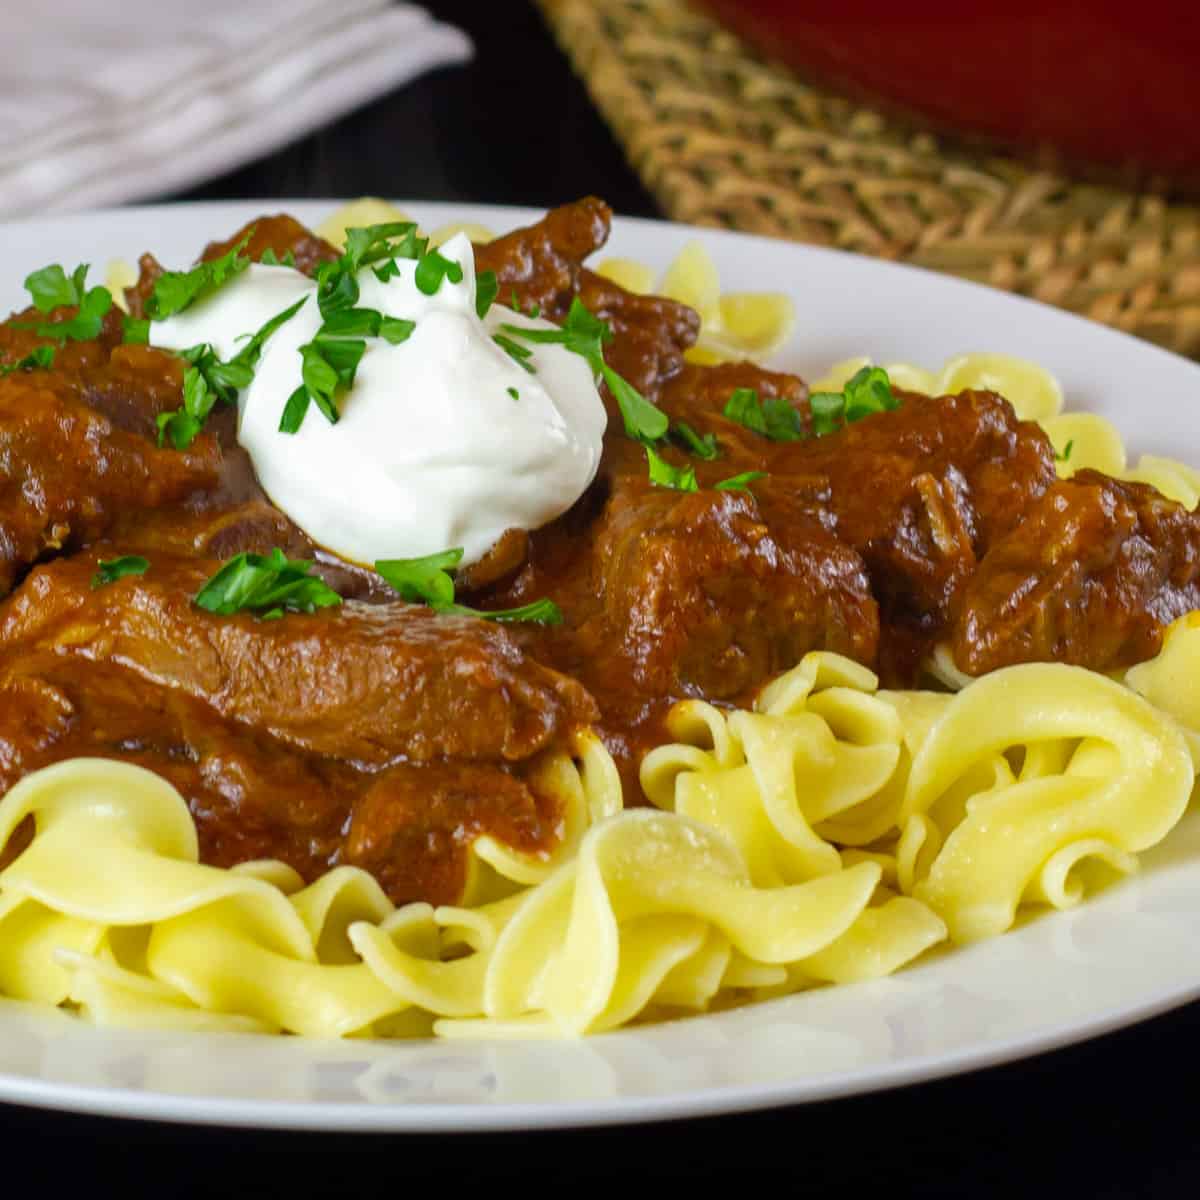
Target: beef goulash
382, 732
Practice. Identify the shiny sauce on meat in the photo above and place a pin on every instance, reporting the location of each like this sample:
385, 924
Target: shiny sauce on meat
386, 736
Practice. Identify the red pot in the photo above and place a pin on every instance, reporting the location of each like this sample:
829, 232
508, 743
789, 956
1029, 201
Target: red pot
1093, 84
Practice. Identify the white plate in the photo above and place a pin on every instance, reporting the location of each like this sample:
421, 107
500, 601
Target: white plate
1060, 978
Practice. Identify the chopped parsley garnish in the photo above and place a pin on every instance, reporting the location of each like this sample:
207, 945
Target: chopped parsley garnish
176, 290
513, 393
1065, 456
643, 420
52, 288
432, 269
663, 474
40, 358
112, 569
328, 367
208, 379
424, 580
250, 353
366, 245
518, 353
181, 426
827, 408
364, 322
487, 288
739, 483
429, 580
704, 447
271, 259
330, 361
773, 417
267, 586
537, 612
135, 331
585, 334
867, 391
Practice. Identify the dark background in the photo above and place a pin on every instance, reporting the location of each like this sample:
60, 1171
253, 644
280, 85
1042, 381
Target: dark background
512, 127
1112, 1117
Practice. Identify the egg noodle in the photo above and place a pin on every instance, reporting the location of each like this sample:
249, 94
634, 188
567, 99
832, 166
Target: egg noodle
833, 834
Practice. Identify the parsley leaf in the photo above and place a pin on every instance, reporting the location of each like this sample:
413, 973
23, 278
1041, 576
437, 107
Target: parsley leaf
250, 353
51, 288
208, 379
783, 421
86, 324
328, 367
367, 244
429, 580
1065, 456
663, 474
869, 391
487, 288
350, 322
112, 569
364, 322
432, 269
774, 417
518, 353
337, 289
828, 409
267, 585
704, 447
395, 330
539, 612
424, 580
135, 331
643, 420
271, 259
41, 357
584, 334
183, 424
744, 408
177, 290
739, 483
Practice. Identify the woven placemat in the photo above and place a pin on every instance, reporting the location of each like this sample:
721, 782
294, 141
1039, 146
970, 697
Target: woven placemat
722, 137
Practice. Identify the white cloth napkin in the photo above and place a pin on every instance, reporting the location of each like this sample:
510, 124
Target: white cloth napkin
103, 103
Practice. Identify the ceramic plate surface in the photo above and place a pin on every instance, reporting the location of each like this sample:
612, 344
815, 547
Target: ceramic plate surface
1060, 978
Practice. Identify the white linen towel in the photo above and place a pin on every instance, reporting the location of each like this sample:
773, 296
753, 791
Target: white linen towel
103, 103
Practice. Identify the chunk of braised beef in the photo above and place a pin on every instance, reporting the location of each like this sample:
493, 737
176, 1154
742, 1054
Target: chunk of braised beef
922, 491
411, 827
703, 598
282, 236
541, 263
66, 471
358, 682
1091, 575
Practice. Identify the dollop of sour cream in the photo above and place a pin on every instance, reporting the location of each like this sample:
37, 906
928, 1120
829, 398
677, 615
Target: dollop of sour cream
444, 440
